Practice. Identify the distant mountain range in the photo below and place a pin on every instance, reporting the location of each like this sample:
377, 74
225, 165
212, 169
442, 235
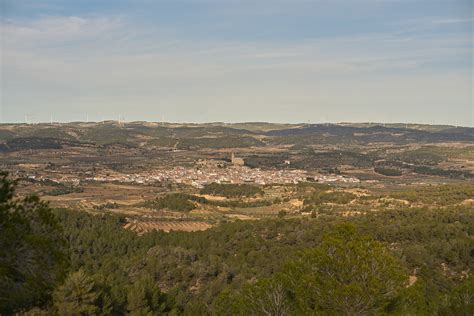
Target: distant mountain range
15, 137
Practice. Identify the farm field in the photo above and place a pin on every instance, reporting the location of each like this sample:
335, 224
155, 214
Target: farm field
75, 166
234, 158
205, 215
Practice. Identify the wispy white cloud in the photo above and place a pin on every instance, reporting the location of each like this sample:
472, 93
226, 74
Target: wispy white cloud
102, 42
56, 29
429, 24
453, 21
106, 60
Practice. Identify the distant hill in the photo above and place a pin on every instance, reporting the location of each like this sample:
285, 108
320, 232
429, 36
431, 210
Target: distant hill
220, 135
377, 133
25, 143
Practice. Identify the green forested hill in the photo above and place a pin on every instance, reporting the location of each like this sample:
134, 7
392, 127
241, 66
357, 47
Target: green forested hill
231, 135
195, 268
406, 261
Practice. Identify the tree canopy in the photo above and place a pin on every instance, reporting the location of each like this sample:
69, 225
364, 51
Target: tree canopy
347, 274
32, 250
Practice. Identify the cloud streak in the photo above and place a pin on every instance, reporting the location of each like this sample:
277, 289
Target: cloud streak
110, 61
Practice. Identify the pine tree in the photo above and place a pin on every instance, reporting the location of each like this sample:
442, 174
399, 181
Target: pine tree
347, 274
77, 296
145, 298
32, 250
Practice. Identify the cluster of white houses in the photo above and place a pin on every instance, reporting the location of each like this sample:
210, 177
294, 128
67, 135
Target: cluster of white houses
204, 172
234, 174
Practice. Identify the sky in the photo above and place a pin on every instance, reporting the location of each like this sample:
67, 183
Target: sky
237, 60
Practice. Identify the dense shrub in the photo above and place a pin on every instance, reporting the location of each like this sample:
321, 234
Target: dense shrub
32, 250
232, 190
176, 201
238, 203
425, 156
337, 197
442, 172
390, 172
441, 195
232, 256
64, 189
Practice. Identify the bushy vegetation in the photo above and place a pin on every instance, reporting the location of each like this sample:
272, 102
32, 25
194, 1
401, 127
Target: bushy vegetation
443, 172
334, 159
390, 172
266, 161
163, 142
25, 143
310, 187
176, 202
423, 156
219, 142
219, 136
32, 250
226, 260
331, 265
239, 203
64, 189
346, 274
187, 202
440, 195
337, 197
48, 132
110, 134
232, 190
107, 206
432, 155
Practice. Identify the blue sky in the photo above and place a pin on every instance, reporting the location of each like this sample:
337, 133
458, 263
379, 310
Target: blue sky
204, 61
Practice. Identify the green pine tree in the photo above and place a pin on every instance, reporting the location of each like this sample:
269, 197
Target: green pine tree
145, 298
32, 250
77, 296
347, 274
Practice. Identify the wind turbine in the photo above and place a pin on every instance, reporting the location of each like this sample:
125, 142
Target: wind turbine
120, 120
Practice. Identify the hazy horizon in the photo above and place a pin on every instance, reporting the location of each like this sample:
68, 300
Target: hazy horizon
375, 123
205, 61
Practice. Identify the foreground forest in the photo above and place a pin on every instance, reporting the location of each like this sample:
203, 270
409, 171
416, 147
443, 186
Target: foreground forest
415, 261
